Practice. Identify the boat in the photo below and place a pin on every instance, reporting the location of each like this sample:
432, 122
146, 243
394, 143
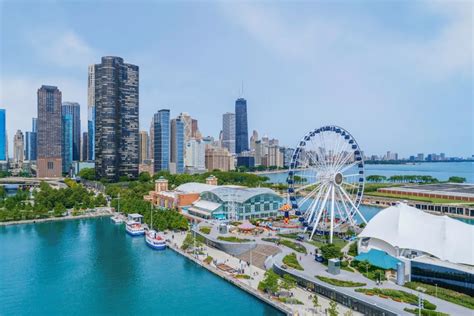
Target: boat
134, 226
117, 219
153, 239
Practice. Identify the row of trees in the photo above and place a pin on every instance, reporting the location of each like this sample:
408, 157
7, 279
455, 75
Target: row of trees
47, 202
411, 179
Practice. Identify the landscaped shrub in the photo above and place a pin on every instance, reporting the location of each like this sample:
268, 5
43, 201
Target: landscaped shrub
205, 230
233, 239
337, 282
292, 261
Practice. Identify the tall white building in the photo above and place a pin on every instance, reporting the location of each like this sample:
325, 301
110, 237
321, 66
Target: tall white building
18, 147
228, 131
195, 156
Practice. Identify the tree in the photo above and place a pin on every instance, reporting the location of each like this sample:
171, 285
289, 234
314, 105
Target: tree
316, 301
270, 283
332, 310
331, 251
288, 282
457, 179
144, 177
348, 313
87, 174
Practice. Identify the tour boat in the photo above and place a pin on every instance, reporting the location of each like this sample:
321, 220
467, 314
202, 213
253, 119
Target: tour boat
117, 219
134, 226
155, 240
152, 238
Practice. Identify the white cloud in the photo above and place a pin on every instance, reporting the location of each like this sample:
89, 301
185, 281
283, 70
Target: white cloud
62, 47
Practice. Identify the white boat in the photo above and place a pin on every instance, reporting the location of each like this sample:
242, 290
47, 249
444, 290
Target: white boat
117, 219
152, 238
155, 240
134, 226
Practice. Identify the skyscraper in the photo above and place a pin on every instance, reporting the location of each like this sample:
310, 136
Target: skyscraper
3, 135
116, 119
91, 114
74, 109
49, 162
67, 141
18, 147
241, 128
195, 154
85, 146
228, 131
161, 140
177, 145
144, 146
30, 146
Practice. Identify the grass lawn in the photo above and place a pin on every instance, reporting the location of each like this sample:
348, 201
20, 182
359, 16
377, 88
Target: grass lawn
295, 246
292, 261
412, 198
205, 230
337, 282
444, 294
398, 296
321, 242
233, 239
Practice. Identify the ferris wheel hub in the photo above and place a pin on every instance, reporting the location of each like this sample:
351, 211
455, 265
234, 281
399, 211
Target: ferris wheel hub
338, 178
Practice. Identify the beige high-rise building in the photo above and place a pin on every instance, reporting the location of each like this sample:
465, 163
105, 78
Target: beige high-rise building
275, 156
144, 146
219, 158
18, 147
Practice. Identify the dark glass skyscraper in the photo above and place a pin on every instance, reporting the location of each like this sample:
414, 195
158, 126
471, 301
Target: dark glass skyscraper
161, 140
31, 141
67, 141
49, 161
177, 145
3, 135
116, 119
74, 109
241, 129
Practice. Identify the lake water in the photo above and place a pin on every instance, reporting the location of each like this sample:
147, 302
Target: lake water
440, 170
91, 267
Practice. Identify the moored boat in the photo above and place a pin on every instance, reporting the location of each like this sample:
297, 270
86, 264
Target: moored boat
155, 240
134, 226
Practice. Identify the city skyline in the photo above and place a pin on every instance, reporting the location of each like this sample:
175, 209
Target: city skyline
374, 90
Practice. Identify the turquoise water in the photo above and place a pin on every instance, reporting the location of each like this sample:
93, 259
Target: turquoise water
91, 267
440, 170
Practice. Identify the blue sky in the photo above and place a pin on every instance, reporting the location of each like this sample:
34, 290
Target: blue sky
397, 74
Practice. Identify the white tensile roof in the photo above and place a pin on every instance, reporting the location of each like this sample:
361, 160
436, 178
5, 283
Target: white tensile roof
407, 227
195, 187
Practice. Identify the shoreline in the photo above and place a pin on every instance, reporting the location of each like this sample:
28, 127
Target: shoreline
54, 219
244, 287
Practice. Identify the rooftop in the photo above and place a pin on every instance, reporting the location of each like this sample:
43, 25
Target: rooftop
452, 189
239, 194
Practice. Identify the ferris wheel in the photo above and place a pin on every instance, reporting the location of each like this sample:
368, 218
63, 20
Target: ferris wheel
326, 181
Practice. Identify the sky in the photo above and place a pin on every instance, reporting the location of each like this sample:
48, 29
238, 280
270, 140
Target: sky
397, 74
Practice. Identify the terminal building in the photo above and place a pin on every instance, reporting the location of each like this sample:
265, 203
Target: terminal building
436, 250
211, 201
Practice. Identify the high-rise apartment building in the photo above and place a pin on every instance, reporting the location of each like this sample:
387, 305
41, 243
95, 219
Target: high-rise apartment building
195, 156
49, 161
74, 109
219, 158
91, 114
85, 146
161, 141
228, 131
253, 139
31, 141
3, 135
241, 127
116, 119
144, 146
67, 142
18, 147
177, 145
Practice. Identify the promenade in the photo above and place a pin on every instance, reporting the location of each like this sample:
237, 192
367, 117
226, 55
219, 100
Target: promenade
251, 285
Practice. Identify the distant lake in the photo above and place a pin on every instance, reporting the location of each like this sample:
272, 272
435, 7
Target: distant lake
439, 170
